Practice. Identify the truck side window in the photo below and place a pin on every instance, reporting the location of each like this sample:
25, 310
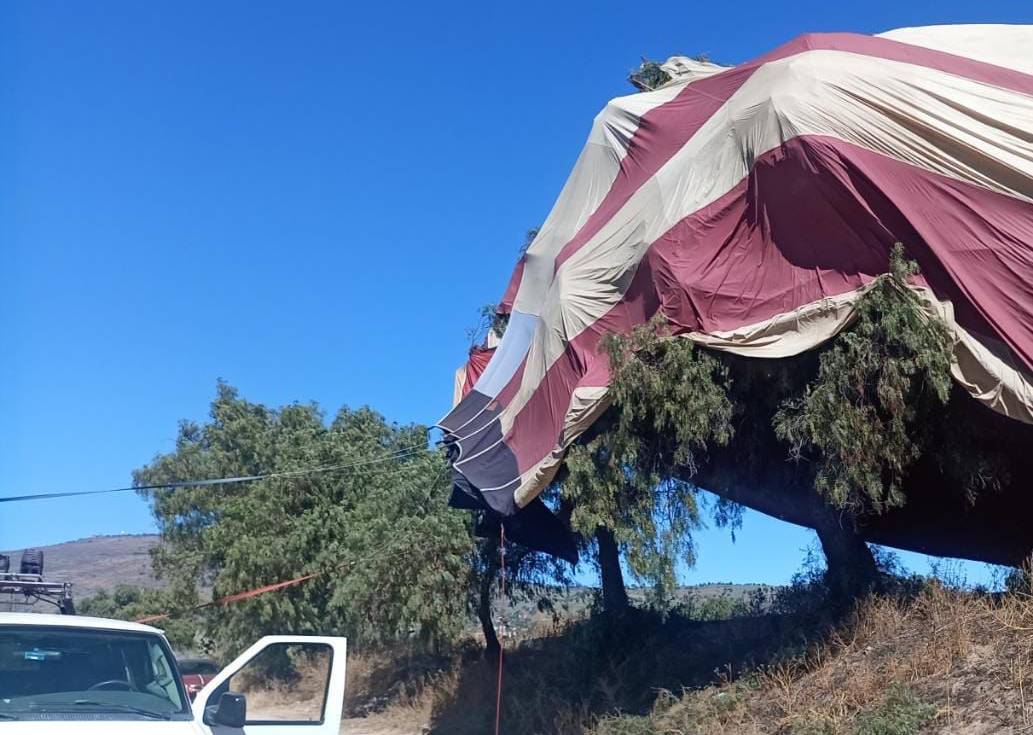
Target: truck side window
285, 684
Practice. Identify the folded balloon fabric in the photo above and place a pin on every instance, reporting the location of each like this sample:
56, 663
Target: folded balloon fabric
752, 206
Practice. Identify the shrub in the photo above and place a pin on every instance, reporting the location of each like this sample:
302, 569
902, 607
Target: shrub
900, 713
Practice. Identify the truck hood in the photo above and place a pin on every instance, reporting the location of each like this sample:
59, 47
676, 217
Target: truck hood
100, 727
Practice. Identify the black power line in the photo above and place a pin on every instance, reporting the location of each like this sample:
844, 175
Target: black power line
393, 456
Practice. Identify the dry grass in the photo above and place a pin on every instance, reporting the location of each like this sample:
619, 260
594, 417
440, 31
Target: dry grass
299, 697
392, 693
562, 682
940, 661
386, 694
969, 656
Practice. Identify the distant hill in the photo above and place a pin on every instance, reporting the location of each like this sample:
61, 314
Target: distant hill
98, 562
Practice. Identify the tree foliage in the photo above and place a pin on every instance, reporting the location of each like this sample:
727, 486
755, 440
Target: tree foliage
128, 602
489, 321
649, 76
670, 400
868, 415
856, 415
394, 561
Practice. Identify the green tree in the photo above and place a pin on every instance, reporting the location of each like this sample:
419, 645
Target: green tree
880, 386
393, 560
669, 403
128, 602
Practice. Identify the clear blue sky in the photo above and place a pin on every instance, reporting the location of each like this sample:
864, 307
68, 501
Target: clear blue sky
307, 199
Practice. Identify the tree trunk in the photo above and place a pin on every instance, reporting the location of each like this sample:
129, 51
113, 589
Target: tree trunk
615, 596
784, 494
492, 647
852, 571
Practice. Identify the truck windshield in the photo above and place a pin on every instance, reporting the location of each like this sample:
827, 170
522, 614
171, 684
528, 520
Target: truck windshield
46, 672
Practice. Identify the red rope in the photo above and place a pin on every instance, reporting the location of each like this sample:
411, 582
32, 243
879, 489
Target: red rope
228, 599
502, 589
238, 596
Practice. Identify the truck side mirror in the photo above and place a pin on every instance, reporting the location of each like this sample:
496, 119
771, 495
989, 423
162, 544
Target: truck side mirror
231, 711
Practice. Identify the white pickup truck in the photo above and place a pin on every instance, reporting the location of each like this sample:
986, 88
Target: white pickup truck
70, 675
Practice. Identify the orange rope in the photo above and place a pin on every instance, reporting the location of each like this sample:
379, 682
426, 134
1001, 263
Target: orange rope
502, 590
237, 597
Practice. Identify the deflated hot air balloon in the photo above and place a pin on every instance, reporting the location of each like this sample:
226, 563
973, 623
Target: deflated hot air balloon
752, 206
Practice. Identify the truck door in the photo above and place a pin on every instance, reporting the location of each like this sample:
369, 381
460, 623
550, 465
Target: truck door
290, 685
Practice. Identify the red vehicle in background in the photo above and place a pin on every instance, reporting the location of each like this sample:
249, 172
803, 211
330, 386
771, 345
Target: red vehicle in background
196, 672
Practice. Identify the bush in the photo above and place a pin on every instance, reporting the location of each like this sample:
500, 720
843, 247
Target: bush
626, 725
900, 713
715, 607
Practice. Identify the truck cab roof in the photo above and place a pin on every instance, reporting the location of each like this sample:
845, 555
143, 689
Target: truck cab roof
75, 621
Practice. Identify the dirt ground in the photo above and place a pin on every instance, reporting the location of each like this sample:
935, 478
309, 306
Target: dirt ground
376, 726
277, 704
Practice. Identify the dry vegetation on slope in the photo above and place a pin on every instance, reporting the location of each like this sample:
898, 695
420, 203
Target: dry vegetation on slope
933, 661
942, 662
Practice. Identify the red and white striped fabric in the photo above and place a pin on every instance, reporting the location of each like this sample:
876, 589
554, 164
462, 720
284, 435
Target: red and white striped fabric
752, 205
467, 375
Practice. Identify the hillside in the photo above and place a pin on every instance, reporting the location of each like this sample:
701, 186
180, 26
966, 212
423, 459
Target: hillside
924, 660
98, 562
945, 661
